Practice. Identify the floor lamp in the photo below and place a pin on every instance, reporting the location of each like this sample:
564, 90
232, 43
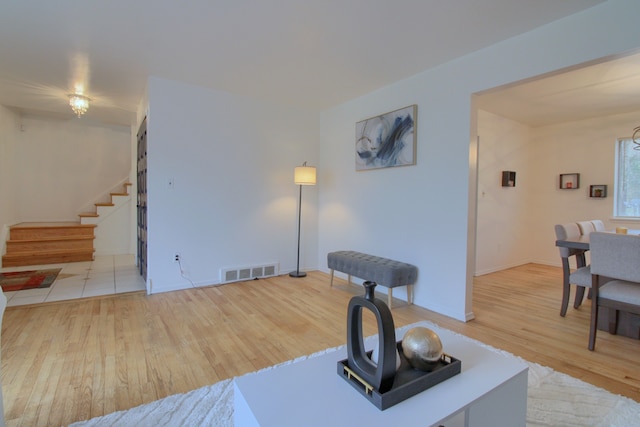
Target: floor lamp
302, 175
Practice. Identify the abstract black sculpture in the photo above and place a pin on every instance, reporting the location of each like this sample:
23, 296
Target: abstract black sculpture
381, 383
380, 375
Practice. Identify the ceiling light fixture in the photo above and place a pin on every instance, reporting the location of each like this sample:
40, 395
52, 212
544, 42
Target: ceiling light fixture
79, 103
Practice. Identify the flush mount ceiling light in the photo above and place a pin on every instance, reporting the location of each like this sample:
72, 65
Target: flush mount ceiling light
79, 103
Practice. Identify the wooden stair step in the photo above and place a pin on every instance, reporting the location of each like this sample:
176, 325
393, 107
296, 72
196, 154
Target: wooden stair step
51, 252
52, 239
46, 225
26, 231
67, 243
47, 257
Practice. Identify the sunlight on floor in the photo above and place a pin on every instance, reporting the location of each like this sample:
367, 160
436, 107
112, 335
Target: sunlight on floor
103, 276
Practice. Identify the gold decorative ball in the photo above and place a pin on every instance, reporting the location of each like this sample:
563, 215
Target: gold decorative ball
422, 348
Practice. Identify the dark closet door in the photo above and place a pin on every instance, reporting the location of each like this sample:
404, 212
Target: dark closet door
142, 199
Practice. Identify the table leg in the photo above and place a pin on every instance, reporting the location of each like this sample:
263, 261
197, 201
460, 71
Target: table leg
565, 286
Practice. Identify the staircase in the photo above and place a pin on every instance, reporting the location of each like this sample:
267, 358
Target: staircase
48, 243
57, 242
103, 208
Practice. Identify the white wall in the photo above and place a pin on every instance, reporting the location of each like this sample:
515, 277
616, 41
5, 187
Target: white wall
504, 222
233, 202
419, 214
64, 166
9, 129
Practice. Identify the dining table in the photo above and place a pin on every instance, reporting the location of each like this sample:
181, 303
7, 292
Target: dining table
582, 242
628, 323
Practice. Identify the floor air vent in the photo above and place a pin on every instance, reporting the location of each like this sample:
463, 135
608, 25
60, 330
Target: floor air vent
237, 274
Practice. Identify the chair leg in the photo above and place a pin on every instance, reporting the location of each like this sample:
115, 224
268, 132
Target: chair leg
594, 314
565, 286
410, 294
579, 296
389, 297
613, 321
593, 326
331, 283
349, 278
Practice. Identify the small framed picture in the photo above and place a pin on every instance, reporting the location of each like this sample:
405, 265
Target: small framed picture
598, 191
569, 181
508, 179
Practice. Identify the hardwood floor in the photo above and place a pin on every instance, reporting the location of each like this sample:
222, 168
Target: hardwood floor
68, 361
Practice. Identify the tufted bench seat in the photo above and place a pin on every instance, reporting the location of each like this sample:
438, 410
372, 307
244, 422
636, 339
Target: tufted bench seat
385, 272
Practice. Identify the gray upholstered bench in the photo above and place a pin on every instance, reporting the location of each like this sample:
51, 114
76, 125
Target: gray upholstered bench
385, 272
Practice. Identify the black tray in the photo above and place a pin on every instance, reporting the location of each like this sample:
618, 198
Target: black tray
407, 382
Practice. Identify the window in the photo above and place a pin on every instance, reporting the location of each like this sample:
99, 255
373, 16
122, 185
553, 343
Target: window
627, 183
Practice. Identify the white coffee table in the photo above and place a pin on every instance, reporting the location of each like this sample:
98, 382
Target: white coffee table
491, 390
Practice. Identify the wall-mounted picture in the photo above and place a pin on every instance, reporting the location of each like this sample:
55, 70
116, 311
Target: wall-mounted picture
387, 140
598, 191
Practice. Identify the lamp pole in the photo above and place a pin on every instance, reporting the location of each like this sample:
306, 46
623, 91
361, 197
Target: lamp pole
302, 175
298, 273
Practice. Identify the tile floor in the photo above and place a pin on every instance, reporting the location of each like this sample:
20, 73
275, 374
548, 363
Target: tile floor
104, 275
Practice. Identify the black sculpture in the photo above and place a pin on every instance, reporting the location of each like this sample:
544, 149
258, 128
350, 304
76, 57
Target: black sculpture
381, 375
381, 383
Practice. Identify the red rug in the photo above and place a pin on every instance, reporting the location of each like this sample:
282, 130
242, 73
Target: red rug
21, 280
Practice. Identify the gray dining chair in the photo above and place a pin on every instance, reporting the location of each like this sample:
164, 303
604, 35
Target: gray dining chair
617, 257
581, 277
586, 227
598, 225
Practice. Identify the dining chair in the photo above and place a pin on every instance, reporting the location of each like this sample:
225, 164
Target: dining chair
598, 225
586, 227
617, 257
581, 277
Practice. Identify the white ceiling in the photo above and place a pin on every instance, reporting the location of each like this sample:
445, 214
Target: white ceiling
609, 87
313, 54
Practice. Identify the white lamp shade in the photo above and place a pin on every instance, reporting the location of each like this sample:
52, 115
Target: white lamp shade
304, 175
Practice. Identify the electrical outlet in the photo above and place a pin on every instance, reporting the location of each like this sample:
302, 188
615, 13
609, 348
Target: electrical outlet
176, 257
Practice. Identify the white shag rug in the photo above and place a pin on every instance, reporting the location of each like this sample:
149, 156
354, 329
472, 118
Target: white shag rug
554, 399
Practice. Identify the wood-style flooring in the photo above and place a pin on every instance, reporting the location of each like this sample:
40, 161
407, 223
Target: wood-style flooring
69, 361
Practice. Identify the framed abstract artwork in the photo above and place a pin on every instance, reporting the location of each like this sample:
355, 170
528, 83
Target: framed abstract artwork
387, 140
